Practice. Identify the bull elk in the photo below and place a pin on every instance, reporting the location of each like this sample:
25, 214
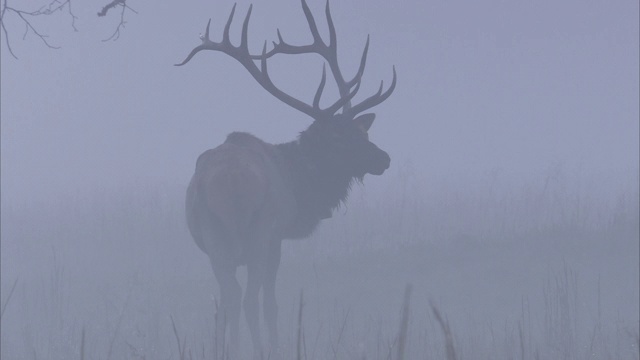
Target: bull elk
247, 195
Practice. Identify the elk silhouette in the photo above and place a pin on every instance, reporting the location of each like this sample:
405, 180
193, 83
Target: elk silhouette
246, 195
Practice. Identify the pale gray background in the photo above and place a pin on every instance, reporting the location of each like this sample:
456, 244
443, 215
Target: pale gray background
511, 86
513, 133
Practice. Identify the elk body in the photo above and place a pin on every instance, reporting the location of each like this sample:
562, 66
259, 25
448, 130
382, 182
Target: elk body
246, 195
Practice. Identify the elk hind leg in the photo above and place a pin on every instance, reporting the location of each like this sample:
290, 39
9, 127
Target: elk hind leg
228, 315
255, 275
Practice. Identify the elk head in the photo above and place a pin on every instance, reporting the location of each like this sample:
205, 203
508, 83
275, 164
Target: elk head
341, 145
337, 140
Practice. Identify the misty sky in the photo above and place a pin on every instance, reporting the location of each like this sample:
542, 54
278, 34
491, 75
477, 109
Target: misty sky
482, 86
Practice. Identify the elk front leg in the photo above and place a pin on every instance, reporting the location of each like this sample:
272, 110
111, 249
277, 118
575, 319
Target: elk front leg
270, 306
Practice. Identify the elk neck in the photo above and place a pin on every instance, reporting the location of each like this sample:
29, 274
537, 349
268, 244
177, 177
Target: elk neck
320, 181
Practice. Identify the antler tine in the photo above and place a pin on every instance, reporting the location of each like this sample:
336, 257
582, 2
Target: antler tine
227, 26
279, 37
327, 51
205, 42
244, 42
206, 32
262, 76
316, 98
332, 28
347, 89
363, 61
375, 99
263, 63
331, 55
281, 47
343, 101
312, 24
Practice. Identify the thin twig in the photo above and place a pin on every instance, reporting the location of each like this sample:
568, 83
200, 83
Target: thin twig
122, 3
444, 325
181, 347
404, 323
25, 16
82, 345
115, 335
344, 324
4, 307
110, 6
299, 342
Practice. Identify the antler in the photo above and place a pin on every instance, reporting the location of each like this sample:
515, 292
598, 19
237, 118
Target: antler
347, 89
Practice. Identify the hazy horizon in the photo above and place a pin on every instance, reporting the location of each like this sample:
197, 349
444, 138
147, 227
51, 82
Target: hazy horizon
498, 88
511, 201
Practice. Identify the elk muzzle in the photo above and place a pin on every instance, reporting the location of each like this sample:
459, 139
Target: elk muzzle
379, 161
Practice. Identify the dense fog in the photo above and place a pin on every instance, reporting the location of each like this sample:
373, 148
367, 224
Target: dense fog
510, 207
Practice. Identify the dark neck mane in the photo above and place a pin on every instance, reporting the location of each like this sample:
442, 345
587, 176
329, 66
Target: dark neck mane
319, 183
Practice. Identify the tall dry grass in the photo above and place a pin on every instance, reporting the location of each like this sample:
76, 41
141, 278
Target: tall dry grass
113, 274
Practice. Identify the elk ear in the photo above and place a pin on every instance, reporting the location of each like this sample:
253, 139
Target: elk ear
365, 121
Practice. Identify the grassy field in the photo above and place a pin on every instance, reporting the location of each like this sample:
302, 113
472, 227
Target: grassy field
544, 270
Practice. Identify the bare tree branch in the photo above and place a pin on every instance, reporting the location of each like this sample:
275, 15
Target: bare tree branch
111, 5
27, 16
50, 8
121, 25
